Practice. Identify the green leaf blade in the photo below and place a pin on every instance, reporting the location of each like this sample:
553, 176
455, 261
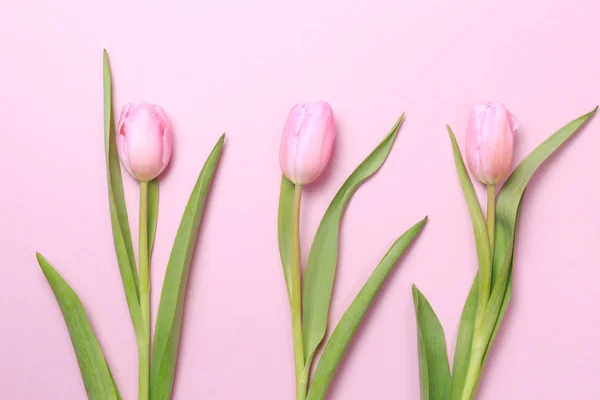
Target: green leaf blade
464, 342
97, 379
350, 321
509, 197
170, 310
118, 208
482, 242
284, 229
434, 368
322, 260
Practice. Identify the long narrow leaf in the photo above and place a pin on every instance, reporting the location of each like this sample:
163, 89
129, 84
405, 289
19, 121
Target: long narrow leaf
512, 191
434, 368
482, 242
322, 259
344, 331
170, 310
97, 378
118, 208
463, 347
284, 229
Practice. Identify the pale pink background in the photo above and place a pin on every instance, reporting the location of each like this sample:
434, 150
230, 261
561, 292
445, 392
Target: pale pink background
238, 66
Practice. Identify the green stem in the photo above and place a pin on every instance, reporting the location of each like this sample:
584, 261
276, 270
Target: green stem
297, 297
491, 215
144, 340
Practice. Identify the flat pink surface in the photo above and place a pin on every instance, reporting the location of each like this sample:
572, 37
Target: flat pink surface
239, 66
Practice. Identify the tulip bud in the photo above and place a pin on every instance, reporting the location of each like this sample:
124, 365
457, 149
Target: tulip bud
307, 142
144, 140
490, 142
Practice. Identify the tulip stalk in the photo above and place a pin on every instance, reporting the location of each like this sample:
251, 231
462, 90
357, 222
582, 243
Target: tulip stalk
297, 296
144, 340
491, 215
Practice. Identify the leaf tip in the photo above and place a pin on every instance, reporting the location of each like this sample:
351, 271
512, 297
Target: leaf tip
415, 293
419, 225
397, 125
43, 263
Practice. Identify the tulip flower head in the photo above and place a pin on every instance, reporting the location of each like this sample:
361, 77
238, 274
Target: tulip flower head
144, 140
307, 142
490, 142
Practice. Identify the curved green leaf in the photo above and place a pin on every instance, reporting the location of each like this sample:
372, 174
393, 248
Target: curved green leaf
322, 259
434, 368
482, 241
344, 331
512, 191
284, 229
118, 208
96, 375
170, 310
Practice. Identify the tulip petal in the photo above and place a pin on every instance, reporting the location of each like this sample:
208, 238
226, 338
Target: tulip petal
307, 142
315, 143
289, 141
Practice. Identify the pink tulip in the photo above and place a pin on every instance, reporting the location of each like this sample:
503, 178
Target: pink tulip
144, 140
490, 142
307, 142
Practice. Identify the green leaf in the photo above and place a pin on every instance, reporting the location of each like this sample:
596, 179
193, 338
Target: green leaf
152, 212
344, 331
512, 191
507, 212
434, 368
322, 259
284, 229
464, 342
118, 208
96, 375
170, 310
462, 352
482, 241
